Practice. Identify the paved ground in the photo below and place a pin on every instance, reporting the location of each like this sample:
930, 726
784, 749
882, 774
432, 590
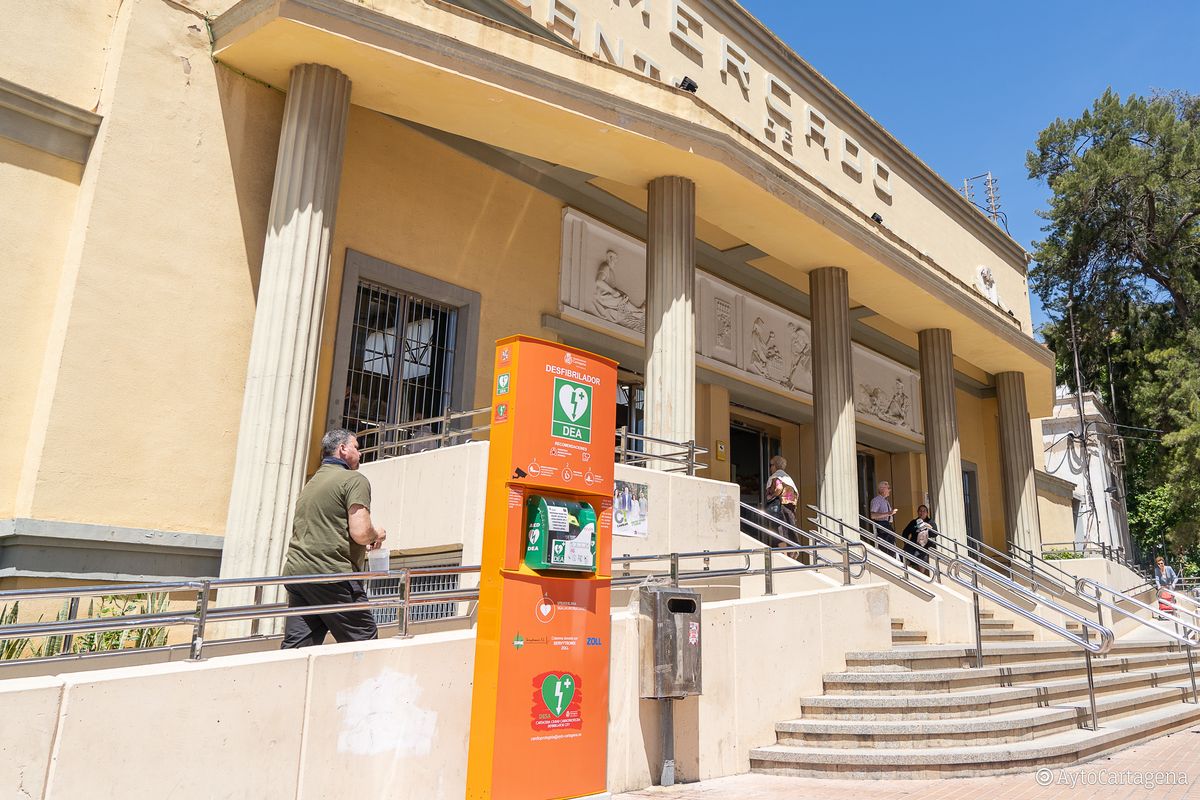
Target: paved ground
1148, 763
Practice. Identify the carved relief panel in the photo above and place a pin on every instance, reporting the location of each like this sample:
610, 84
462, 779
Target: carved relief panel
777, 345
603, 273
885, 391
718, 319
604, 278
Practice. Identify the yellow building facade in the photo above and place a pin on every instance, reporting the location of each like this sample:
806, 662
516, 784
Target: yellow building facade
230, 226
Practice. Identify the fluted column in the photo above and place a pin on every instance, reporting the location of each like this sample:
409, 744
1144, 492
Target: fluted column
1022, 524
833, 395
670, 400
281, 377
943, 462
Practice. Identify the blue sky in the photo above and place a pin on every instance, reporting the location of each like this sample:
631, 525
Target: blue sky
968, 86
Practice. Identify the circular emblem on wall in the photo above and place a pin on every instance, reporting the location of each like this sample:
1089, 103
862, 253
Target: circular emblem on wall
545, 609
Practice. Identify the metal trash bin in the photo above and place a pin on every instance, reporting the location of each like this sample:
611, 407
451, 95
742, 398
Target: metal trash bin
669, 630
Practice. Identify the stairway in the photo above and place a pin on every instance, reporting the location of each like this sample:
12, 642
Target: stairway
925, 711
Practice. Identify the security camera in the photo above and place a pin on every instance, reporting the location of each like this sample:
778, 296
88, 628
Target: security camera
688, 85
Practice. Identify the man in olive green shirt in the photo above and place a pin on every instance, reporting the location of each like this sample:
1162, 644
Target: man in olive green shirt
331, 534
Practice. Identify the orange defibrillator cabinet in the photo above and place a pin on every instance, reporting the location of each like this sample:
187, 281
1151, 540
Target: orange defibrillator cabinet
539, 711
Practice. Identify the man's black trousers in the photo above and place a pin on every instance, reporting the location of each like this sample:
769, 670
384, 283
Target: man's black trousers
346, 626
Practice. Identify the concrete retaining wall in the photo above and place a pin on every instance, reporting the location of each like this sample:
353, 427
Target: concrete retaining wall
391, 718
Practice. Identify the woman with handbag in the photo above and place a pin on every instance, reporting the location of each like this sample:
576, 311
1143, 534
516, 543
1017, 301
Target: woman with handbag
781, 493
918, 536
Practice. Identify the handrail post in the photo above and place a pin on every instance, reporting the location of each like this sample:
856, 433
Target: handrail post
768, 572
675, 569
1100, 606
846, 564
402, 628
625, 567
623, 432
73, 614
691, 465
1192, 675
1091, 688
978, 624
197, 649
258, 598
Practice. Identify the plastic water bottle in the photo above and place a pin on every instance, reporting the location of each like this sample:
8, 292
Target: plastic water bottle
378, 560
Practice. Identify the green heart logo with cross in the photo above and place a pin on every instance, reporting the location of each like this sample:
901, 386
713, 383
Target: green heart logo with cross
574, 400
572, 410
557, 692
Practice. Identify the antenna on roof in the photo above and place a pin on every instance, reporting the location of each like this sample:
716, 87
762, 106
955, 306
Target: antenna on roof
991, 185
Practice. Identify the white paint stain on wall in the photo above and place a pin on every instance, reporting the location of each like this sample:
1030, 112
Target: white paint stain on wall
381, 715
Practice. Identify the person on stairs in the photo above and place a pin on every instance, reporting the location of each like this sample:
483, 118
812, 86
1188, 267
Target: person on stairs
1164, 576
782, 494
883, 514
918, 538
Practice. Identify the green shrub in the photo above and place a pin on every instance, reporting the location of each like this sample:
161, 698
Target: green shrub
1061, 555
113, 605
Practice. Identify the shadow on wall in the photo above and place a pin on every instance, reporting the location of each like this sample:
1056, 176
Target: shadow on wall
24, 157
253, 117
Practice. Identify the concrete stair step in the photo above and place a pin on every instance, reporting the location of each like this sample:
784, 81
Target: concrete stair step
908, 637
1004, 727
959, 679
1053, 751
995, 625
897, 624
988, 700
947, 656
1007, 636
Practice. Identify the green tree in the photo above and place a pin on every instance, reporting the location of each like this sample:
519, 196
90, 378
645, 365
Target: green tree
1122, 248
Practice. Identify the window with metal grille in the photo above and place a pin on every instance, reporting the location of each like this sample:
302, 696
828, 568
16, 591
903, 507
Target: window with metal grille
400, 369
421, 584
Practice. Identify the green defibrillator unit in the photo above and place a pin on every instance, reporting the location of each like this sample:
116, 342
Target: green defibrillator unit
560, 534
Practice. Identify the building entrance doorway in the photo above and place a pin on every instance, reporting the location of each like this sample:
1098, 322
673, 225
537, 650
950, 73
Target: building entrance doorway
750, 451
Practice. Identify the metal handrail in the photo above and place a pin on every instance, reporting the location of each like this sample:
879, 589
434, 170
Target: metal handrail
393, 439
884, 569
1106, 638
684, 458
876, 550
954, 569
997, 560
1187, 640
1116, 554
1193, 612
797, 533
1097, 587
1007, 583
1074, 586
768, 570
442, 438
206, 613
897, 554
1036, 562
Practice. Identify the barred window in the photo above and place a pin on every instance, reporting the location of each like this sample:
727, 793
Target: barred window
401, 367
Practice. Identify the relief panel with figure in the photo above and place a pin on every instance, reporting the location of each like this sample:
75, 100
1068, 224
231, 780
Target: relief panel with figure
604, 278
